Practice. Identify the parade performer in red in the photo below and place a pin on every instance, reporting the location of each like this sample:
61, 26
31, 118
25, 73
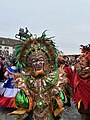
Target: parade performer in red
82, 83
41, 96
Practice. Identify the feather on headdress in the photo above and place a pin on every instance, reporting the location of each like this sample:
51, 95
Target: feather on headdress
35, 46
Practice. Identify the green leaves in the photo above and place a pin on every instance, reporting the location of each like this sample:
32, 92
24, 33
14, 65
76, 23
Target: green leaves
22, 100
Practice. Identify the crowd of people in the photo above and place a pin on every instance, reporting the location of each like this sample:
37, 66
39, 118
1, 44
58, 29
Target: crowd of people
77, 88
78, 75
7, 88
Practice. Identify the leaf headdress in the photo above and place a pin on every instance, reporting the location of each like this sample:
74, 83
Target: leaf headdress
35, 46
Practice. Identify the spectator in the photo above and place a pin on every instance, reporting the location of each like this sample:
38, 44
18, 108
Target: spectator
7, 89
1, 69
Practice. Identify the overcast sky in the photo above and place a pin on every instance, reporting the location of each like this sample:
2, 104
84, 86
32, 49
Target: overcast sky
67, 20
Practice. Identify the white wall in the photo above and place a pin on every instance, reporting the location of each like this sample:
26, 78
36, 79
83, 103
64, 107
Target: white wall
5, 48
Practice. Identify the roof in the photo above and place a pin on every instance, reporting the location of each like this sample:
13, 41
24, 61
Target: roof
8, 42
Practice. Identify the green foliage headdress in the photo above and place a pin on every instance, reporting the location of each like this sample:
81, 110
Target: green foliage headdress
34, 47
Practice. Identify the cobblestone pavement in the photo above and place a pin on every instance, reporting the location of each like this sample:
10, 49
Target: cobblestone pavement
71, 113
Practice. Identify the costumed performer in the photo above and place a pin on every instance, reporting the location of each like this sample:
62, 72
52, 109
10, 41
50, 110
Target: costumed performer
41, 96
82, 83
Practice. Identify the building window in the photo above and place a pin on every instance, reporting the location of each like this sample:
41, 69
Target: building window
6, 47
0, 47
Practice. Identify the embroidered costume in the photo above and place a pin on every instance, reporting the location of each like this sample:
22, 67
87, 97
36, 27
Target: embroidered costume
40, 82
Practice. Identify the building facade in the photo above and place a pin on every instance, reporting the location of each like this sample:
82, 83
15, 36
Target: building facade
7, 46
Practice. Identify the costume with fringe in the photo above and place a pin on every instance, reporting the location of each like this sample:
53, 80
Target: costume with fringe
40, 82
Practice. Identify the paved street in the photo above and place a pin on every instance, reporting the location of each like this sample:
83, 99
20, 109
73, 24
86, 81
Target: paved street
4, 116
71, 113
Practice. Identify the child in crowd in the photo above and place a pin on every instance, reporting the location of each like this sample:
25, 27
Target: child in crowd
7, 89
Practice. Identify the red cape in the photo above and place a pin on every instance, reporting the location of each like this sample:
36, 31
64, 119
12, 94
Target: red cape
69, 74
82, 90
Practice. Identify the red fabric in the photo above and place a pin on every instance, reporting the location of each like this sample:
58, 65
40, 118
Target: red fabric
69, 74
82, 90
88, 56
6, 102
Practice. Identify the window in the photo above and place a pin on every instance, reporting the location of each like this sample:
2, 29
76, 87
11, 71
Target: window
6, 47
